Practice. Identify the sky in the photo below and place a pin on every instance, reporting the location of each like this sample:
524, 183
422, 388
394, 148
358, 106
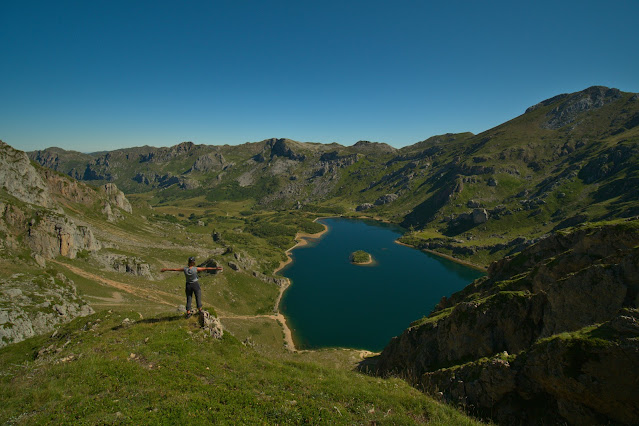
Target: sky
102, 75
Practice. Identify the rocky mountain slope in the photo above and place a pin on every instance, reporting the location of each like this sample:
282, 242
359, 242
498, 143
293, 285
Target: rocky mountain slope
555, 326
568, 160
35, 228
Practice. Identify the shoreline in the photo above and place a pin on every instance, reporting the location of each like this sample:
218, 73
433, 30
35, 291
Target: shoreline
302, 239
447, 256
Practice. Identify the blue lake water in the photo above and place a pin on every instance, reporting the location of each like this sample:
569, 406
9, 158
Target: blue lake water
334, 303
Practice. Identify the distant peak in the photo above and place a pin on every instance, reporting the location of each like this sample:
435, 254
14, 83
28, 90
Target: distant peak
368, 145
593, 92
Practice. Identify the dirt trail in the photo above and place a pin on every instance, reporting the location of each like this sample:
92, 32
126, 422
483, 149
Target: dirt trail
277, 316
157, 296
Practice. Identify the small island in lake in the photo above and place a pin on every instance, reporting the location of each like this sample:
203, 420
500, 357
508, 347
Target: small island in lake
360, 257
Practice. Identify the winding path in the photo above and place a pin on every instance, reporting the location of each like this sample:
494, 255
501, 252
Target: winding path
159, 296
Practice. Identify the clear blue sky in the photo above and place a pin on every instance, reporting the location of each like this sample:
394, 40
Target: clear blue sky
100, 75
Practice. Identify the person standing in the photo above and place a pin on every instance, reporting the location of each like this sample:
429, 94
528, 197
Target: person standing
192, 283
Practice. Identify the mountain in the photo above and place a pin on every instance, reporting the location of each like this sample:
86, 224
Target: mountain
567, 160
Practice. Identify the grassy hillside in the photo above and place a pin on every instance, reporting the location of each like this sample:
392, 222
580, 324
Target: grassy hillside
163, 369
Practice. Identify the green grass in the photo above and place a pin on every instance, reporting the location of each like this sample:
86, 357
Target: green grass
164, 370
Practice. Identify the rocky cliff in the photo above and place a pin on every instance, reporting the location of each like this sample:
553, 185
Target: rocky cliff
569, 282
20, 179
35, 228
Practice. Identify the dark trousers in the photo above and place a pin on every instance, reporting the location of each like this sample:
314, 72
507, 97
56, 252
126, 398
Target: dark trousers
190, 289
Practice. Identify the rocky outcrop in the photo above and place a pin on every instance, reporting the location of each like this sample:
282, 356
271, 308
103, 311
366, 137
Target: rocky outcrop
480, 216
20, 179
34, 304
50, 235
385, 199
281, 148
373, 147
208, 162
363, 207
572, 106
211, 325
579, 378
561, 284
244, 261
68, 189
117, 197
271, 280
124, 264
162, 155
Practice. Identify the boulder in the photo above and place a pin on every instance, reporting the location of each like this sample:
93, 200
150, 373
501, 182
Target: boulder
480, 216
211, 325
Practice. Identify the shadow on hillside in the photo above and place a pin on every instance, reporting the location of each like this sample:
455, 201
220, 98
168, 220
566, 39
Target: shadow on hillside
368, 365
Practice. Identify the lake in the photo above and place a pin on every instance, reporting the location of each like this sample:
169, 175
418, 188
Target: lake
334, 303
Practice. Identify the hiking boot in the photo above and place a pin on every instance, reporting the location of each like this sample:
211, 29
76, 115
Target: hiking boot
188, 314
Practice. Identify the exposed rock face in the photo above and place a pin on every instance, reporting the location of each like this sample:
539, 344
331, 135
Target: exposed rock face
563, 283
51, 235
480, 216
209, 162
211, 325
364, 206
68, 189
244, 261
20, 179
162, 155
155, 180
281, 148
272, 280
116, 198
124, 264
34, 304
366, 146
573, 105
385, 199
578, 379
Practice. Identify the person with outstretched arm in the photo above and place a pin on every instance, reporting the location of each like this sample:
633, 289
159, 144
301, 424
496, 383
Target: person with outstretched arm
192, 284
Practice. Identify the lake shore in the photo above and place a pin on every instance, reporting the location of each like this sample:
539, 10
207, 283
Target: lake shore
446, 256
302, 239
